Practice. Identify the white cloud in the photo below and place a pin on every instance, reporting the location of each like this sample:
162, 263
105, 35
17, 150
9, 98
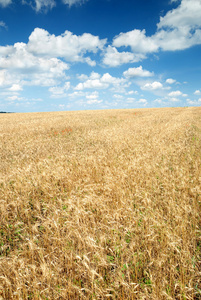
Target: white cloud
97, 82
59, 91
86, 97
187, 14
22, 67
19, 58
130, 100
15, 88
114, 58
91, 84
177, 39
179, 29
72, 2
152, 86
174, 99
197, 92
39, 5
94, 101
3, 79
3, 24
94, 75
194, 102
117, 96
10, 80
137, 72
62, 106
170, 80
107, 78
82, 77
143, 101
132, 92
159, 101
92, 96
68, 46
5, 3
137, 40
43, 4
90, 62
76, 94
15, 98
175, 94
37, 62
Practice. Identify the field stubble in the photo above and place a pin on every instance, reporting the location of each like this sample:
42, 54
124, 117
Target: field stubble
101, 205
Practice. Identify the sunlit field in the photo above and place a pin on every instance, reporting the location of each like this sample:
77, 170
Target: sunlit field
101, 204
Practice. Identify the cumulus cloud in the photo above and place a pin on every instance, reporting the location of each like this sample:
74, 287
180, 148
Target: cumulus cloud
19, 65
143, 101
170, 81
197, 92
76, 94
114, 58
152, 86
91, 84
43, 60
16, 88
10, 80
177, 39
137, 72
19, 58
5, 3
92, 96
194, 102
187, 14
69, 46
179, 29
175, 94
137, 40
97, 82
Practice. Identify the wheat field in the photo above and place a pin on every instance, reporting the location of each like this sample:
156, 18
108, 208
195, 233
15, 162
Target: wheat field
101, 204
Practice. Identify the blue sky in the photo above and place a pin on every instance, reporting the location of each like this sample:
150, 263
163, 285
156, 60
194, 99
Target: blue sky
99, 54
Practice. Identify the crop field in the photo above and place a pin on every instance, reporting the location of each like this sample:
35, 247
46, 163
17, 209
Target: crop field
101, 204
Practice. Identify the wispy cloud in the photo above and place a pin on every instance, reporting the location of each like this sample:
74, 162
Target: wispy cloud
5, 3
40, 5
3, 25
73, 2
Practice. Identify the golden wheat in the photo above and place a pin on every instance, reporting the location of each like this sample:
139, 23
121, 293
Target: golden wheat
101, 204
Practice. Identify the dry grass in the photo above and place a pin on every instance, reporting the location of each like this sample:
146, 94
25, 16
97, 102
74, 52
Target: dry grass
101, 205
